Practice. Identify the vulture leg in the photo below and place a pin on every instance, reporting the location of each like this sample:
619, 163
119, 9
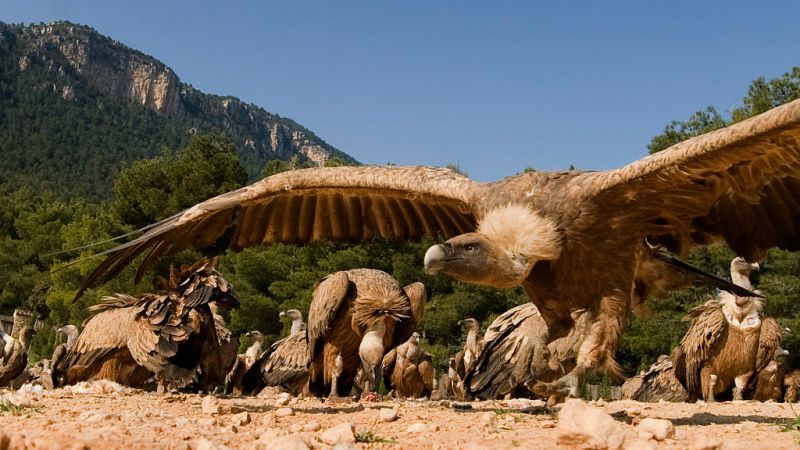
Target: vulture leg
741, 384
597, 349
336, 372
709, 391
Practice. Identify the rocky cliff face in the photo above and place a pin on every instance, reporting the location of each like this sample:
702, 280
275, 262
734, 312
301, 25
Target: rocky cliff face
80, 57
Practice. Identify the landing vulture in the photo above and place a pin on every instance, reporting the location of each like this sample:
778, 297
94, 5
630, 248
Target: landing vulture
537, 229
409, 369
164, 333
355, 317
16, 361
727, 341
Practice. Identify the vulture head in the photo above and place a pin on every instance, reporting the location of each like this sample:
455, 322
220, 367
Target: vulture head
468, 324
68, 330
740, 266
25, 337
291, 314
501, 253
255, 336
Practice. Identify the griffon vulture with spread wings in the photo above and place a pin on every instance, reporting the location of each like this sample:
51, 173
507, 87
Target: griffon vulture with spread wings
739, 184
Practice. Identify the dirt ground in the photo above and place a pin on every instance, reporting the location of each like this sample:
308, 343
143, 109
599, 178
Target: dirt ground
101, 417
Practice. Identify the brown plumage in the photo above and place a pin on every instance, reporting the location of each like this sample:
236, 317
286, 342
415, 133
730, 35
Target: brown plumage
472, 344
219, 356
355, 317
506, 365
16, 361
167, 333
727, 341
285, 363
535, 229
657, 383
61, 350
791, 384
769, 381
411, 369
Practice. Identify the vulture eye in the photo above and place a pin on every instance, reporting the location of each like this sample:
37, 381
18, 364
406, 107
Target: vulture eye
472, 248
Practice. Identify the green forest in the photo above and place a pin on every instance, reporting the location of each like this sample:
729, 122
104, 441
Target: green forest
40, 221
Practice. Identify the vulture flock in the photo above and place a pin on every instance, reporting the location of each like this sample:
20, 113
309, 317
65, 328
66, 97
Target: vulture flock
588, 248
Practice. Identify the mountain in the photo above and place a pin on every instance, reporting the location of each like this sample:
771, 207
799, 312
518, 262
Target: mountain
76, 106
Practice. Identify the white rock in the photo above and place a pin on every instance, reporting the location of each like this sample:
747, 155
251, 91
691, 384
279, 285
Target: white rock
344, 433
269, 391
420, 427
284, 412
209, 422
312, 426
210, 405
388, 414
240, 419
660, 428
581, 425
283, 399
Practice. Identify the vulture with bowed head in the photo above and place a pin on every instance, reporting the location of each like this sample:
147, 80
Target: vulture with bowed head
16, 362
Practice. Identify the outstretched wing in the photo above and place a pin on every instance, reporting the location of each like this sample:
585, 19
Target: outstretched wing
769, 340
708, 325
353, 204
329, 294
739, 183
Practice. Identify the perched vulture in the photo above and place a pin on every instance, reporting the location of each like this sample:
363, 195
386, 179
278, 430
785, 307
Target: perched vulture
166, 333
254, 351
769, 380
657, 383
410, 369
727, 341
285, 363
507, 367
466, 357
61, 350
536, 229
219, 356
791, 384
16, 362
355, 317
451, 384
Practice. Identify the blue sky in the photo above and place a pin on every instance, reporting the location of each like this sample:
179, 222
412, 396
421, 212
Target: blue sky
491, 86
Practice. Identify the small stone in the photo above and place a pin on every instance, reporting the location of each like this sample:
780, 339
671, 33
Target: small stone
344, 433
283, 399
312, 426
344, 447
489, 418
388, 414
269, 434
210, 405
460, 405
581, 425
181, 421
420, 427
660, 428
269, 391
241, 418
284, 412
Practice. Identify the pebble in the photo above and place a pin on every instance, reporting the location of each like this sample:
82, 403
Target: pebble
241, 418
581, 425
388, 414
312, 426
283, 399
660, 428
284, 412
208, 422
420, 427
210, 405
340, 434
489, 418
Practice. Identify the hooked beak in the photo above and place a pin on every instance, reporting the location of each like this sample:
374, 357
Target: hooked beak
247, 334
434, 258
282, 314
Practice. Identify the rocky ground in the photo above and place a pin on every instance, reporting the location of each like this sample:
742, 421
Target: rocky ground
108, 416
